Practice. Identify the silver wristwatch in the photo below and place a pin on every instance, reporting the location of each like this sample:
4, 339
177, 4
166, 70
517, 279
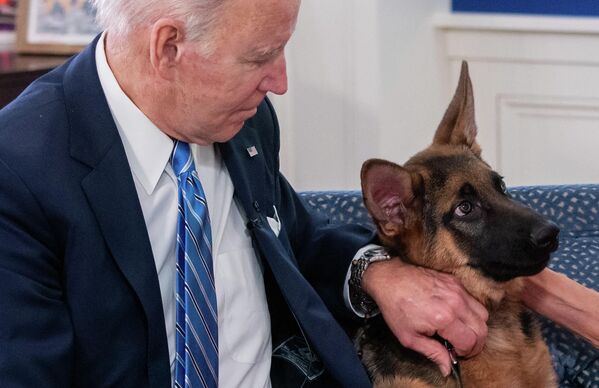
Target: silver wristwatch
356, 295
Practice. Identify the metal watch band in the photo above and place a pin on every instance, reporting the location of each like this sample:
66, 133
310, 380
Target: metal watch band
356, 295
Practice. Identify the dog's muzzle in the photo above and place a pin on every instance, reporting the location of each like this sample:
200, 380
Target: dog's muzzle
544, 237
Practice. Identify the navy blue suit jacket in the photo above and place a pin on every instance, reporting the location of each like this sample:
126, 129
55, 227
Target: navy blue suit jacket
79, 298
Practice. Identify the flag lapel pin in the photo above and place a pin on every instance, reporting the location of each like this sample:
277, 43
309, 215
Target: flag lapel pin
252, 151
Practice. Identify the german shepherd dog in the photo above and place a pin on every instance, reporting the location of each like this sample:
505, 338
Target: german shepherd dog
447, 210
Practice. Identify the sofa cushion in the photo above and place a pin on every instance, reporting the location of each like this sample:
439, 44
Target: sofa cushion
575, 209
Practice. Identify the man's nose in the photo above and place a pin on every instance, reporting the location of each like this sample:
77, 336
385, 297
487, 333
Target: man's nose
276, 79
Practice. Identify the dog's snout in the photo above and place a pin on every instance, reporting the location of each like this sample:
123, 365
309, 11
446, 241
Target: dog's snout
545, 236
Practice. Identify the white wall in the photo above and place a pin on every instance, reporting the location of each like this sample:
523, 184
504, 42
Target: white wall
363, 82
371, 78
536, 86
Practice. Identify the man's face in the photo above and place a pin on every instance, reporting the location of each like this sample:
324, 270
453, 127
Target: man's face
217, 93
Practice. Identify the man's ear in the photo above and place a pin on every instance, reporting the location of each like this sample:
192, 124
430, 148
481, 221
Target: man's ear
166, 46
389, 191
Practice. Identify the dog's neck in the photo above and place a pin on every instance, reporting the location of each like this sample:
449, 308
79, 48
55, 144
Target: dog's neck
487, 291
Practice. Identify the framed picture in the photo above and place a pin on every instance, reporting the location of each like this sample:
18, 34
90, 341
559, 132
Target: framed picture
59, 27
7, 15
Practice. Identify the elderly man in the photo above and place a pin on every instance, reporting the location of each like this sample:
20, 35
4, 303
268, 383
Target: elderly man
148, 238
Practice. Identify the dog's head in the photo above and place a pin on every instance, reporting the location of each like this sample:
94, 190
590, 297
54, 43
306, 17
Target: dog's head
446, 209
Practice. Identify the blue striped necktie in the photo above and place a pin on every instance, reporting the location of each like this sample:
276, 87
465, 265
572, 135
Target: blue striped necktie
196, 363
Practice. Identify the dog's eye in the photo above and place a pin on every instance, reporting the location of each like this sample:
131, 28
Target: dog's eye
463, 209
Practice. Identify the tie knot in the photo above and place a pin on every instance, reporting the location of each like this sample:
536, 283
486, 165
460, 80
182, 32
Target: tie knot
181, 159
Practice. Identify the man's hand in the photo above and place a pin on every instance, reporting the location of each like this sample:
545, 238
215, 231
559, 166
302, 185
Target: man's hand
417, 302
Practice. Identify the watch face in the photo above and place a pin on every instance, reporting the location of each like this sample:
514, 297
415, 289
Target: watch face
378, 251
376, 255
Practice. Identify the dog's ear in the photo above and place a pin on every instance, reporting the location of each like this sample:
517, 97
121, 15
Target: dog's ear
388, 191
458, 126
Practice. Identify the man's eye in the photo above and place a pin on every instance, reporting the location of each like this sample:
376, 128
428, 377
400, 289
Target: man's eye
463, 209
255, 61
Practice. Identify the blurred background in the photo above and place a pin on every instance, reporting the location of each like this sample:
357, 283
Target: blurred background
372, 78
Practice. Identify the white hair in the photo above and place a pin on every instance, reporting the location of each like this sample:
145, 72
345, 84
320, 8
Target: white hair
122, 16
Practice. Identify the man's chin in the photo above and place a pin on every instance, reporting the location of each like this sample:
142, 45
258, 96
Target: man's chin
243, 115
224, 132
229, 132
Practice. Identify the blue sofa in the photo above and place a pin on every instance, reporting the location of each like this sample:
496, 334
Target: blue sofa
575, 208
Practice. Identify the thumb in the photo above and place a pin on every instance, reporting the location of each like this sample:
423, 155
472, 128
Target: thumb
434, 351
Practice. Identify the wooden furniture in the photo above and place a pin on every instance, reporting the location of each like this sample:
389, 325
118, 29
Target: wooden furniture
18, 71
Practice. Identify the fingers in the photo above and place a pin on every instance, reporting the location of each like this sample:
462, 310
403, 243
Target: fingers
461, 300
417, 302
461, 320
464, 340
468, 332
432, 349
477, 308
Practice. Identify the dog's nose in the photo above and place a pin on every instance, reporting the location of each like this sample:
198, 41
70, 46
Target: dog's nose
545, 236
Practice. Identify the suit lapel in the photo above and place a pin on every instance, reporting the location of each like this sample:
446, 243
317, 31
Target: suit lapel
248, 173
109, 187
252, 180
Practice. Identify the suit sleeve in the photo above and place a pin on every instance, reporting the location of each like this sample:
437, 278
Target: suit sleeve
323, 250
36, 338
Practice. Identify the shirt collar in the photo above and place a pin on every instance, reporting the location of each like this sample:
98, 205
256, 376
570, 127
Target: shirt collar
148, 149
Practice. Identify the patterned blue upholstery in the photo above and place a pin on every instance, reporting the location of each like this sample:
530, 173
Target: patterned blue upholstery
575, 208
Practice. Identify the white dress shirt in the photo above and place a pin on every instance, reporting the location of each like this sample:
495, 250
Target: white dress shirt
243, 320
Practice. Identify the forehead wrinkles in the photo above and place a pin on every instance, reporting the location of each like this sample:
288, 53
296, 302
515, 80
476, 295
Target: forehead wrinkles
263, 18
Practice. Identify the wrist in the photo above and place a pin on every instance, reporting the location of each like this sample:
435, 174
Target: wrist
371, 279
357, 295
